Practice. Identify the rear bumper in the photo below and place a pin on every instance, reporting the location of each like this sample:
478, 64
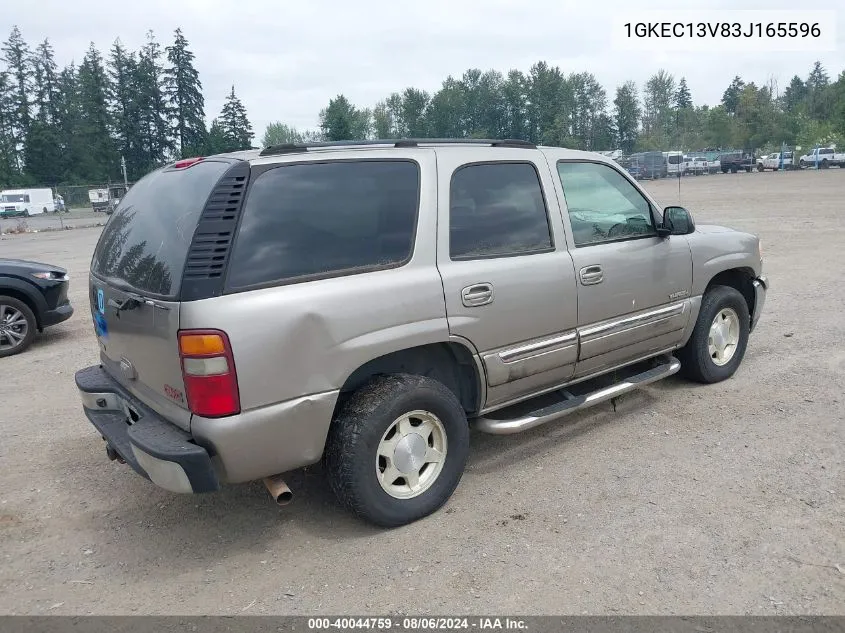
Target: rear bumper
52, 317
154, 448
761, 285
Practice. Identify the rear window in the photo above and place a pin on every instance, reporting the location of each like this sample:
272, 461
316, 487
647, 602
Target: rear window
825, 151
323, 219
675, 160
145, 243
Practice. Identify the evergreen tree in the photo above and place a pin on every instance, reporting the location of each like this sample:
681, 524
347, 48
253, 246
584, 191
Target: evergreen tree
627, 114
683, 98
340, 121
818, 103
9, 174
42, 154
152, 106
124, 108
17, 56
217, 143
730, 98
100, 161
795, 94
183, 91
234, 124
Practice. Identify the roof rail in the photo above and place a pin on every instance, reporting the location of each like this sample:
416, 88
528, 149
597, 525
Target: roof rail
289, 148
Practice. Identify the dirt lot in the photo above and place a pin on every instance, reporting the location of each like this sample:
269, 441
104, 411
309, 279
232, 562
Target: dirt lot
724, 499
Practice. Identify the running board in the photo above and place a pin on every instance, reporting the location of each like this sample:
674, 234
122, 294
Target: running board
669, 366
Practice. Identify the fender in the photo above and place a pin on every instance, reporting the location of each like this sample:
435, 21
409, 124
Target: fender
27, 289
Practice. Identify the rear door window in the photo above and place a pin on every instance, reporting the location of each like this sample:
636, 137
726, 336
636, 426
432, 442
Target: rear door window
495, 210
145, 243
313, 220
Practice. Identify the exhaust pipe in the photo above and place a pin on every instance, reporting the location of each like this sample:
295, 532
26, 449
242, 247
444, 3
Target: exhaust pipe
278, 489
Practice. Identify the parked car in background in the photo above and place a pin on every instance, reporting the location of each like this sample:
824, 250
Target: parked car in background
774, 162
822, 157
696, 166
736, 161
412, 289
33, 296
26, 202
649, 165
675, 165
106, 199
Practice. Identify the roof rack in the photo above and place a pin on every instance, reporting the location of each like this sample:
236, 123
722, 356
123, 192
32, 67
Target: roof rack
289, 148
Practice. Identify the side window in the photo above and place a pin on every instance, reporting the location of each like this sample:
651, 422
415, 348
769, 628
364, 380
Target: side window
497, 209
603, 205
326, 219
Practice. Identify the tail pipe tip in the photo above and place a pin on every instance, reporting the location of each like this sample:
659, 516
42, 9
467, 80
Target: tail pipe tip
278, 489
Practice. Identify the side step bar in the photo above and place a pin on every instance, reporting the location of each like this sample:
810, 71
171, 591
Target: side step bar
556, 411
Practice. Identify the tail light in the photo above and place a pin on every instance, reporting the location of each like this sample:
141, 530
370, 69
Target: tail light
208, 369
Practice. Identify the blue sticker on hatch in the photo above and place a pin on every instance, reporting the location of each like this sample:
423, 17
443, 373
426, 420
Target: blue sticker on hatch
101, 301
100, 326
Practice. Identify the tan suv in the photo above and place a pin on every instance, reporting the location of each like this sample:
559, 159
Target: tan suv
366, 303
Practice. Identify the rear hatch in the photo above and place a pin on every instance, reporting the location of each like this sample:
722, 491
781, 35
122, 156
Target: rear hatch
136, 278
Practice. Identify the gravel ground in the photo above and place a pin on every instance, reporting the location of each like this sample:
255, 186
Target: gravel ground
722, 499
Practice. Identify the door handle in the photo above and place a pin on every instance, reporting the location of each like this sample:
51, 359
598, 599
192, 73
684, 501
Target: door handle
477, 295
591, 275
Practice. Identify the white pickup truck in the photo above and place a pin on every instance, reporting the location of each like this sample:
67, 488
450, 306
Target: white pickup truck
823, 157
773, 162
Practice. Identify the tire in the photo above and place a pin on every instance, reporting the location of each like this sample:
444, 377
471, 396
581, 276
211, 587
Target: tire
7, 303
26, 213
802, 164
760, 167
734, 169
824, 164
352, 460
696, 361
748, 170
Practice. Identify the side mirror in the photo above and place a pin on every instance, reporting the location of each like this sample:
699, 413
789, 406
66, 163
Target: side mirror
677, 221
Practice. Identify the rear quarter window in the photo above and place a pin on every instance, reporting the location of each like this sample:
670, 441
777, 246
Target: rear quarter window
314, 220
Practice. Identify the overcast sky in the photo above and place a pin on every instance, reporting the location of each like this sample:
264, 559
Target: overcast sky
287, 58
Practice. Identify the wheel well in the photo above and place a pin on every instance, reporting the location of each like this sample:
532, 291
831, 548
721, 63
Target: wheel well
22, 296
739, 278
449, 363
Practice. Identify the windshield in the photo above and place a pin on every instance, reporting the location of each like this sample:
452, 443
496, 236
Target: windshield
15, 197
675, 160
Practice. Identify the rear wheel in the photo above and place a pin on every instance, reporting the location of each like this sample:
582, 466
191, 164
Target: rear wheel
717, 345
824, 164
17, 326
398, 449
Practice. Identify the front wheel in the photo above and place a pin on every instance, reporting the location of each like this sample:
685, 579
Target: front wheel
398, 449
717, 345
17, 326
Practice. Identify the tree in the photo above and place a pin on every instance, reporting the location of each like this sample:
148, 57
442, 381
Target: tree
124, 107
818, 102
683, 98
340, 121
183, 91
280, 134
515, 106
235, 124
446, 110
152, 106
17, 56
8, 158
549, 105
42, 153
658, 99
795, 94
216, 142
99, 161
730, 98
627, 114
